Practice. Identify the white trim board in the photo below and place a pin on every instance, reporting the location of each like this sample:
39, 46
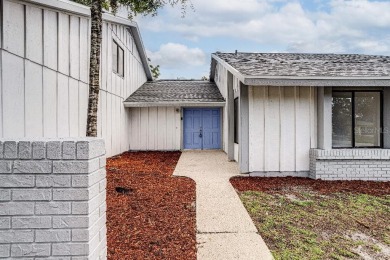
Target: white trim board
174, 104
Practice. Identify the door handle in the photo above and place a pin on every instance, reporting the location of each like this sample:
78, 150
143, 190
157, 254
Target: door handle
200, 133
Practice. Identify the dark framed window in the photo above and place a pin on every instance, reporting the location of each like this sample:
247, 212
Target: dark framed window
117, 59
236, 113
357, 119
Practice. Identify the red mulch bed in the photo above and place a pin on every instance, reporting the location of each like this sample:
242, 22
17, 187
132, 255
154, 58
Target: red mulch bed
325, 187
150, 215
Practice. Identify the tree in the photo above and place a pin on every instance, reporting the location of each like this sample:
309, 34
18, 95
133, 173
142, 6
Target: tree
135, 7
154, 69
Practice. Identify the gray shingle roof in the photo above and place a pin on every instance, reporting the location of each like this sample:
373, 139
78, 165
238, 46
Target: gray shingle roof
308, 65
177, 91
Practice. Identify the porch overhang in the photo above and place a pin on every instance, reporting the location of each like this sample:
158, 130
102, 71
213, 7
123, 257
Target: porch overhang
174, 104
176, 93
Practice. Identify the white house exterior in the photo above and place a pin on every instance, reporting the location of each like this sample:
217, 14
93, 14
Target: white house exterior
310, 115
288, 115
275, 114
44, 57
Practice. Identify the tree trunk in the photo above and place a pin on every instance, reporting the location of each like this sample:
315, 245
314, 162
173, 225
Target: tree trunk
94, 70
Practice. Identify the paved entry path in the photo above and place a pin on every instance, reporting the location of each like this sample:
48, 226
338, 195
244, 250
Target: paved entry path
224, 228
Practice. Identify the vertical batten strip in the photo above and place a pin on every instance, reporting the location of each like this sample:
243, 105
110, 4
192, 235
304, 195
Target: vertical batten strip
24, 68
310, 117
280, 128
296, 95
1, 91
43, 62
266, 98
1, 69
1, 25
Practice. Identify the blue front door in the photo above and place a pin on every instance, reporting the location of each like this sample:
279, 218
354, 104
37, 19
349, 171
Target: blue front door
202, 128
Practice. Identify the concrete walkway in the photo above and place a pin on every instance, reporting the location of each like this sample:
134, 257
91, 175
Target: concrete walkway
224, 228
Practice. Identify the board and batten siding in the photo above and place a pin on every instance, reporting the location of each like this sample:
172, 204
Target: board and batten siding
44, 68
221, 80
155, 128
282, 128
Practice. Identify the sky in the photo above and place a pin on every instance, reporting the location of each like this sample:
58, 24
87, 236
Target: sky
182, 46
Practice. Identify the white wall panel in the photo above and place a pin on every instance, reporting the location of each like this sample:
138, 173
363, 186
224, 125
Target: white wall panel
33, 100
63, 43
256, 137
63, 106
73, 107
83, 108
144, 128
282, 142
108, 66
104, 54
34, 30
50, 103
13, 95
303, 130
103, 103
109, 124
170, 123
74, 47
124, 121
1, 91
313, 118
50, 98
272, 129
50, 39
135, 123
84, 49
162, 130
13, 30
116, 135
155, 128
287, 136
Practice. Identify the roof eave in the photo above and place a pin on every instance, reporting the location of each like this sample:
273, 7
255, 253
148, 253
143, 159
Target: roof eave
317, 82
305, 81
174, 104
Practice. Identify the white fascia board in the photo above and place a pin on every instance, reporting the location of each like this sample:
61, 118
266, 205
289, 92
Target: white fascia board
118, 20
62, 5
141, 50
317, 78
174, 104
232, 70
317, 82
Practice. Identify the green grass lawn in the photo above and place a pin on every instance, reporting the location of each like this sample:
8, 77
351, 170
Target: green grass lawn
299, 223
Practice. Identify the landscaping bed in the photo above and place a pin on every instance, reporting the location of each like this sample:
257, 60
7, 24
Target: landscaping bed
301, 218
150, 214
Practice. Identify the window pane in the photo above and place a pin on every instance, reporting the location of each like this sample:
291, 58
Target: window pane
342, 119
114, 57
120, 61
367, 119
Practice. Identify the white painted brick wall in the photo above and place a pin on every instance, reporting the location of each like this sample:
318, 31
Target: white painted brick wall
350, 164
53, 199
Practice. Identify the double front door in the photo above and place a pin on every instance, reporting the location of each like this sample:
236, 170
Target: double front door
202, 128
